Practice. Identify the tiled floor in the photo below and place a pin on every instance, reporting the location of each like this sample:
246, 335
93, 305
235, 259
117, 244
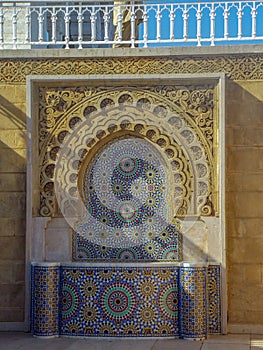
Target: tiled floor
25, 341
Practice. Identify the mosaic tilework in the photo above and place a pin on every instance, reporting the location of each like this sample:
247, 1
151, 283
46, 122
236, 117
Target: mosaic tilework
45, 286
193, 302
125, 195
119, 301
130, 301
214, 299
163, 247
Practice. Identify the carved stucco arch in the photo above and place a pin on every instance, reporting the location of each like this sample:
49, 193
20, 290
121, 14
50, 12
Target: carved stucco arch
151, 114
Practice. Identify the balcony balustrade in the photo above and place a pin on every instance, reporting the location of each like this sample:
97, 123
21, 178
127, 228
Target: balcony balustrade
88, 24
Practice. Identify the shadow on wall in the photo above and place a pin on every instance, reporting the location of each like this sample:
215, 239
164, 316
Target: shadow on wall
13, 138
12, 211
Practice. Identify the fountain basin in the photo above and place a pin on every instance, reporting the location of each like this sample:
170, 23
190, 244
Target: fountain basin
133, 299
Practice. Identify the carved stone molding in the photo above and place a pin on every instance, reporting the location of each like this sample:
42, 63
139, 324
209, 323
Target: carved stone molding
180, 122
236, 67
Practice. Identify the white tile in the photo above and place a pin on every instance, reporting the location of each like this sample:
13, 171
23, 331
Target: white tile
132, 344
45, 344
12, 341
229, 338
88, 344
116, 344
225, 346
177, 344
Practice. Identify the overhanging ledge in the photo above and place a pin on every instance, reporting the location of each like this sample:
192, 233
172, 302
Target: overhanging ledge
136, 52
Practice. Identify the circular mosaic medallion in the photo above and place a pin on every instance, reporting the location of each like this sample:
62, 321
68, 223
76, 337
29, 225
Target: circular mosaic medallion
89, 289
104, 250
164, 234
127, 211
150, 174
170, 253
151, 202
147, 314
147, 289
89, 313
84, 252
168, 302
151, 248
106, 328
74, 274
118, 301
138, 189
127, 166
164, 274
69, 301
130, 274
127, 254
130, 329
165, 328
106, 274
117, 188
150, 221
73, 328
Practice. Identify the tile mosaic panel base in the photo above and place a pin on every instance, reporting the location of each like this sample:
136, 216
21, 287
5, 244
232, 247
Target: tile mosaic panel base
45, 294
193, 307
124, 301
214, 299
118, 301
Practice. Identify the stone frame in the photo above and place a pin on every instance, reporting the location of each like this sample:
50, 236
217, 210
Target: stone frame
32, 186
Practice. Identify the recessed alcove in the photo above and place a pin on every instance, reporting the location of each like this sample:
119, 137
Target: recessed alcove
147, 157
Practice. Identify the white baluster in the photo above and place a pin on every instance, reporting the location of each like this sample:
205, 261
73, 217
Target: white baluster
145, 27
239, 16
185, 18
254, 24
198, 30
172, 17
212, 32
40, 25
14, 24
133, 36
1, 27
158, 18
27, 25
54, 24
226, 15
80, 31
106, 19
119, 24
93, 24
67, 20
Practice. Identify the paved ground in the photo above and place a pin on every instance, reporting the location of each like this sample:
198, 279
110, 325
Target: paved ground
25, 341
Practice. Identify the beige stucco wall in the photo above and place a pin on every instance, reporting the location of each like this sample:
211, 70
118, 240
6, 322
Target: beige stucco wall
244, 172
244, 200
12, 201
